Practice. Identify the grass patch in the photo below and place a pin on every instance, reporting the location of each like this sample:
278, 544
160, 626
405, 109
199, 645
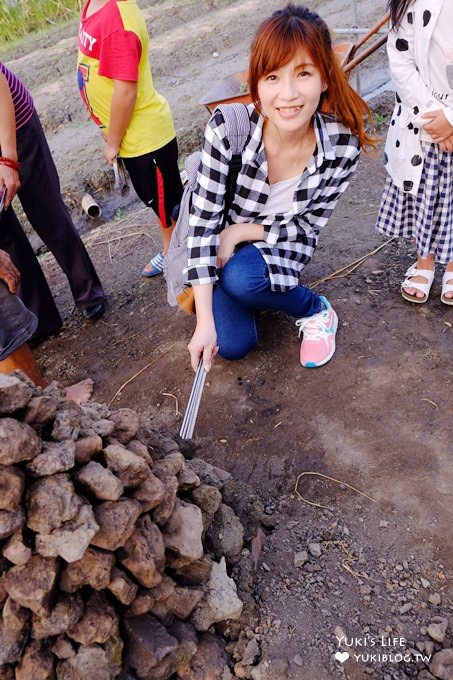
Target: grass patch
19, 18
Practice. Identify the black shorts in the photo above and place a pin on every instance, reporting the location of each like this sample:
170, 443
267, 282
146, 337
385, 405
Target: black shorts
17, 323
156, 179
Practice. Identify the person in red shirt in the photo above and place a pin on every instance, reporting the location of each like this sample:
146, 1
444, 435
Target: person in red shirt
116, 86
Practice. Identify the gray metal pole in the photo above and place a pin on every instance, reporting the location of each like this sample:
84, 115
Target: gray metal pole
356, 23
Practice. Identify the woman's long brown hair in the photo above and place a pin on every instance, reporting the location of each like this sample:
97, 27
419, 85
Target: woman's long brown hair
296, 28
397, 8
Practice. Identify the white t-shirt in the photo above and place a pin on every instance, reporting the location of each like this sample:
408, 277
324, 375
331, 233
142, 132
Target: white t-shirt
281, 197
441, 56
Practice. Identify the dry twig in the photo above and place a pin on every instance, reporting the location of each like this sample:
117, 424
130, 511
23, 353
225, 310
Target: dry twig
123, 236
430, 402
119, 341
349, 268
348, 560
168, 394
332, 479
151, 363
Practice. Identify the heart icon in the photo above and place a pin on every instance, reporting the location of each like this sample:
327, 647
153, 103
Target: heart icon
341, 656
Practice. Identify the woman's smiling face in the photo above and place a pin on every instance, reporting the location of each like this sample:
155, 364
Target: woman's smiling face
289, 95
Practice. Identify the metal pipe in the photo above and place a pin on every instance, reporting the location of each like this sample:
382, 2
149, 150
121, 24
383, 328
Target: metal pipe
366, 53
90, 207
355, 31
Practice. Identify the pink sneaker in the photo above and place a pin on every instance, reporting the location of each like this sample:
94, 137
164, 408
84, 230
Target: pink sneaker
318, 344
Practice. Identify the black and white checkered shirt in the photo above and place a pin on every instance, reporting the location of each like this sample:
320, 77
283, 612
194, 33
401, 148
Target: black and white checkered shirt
289, 238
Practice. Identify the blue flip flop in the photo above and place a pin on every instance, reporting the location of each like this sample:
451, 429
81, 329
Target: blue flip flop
154, 266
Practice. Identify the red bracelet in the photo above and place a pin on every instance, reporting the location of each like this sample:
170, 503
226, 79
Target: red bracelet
9, 163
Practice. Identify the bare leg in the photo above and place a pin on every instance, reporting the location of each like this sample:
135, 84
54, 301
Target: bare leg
166, 237
150, 268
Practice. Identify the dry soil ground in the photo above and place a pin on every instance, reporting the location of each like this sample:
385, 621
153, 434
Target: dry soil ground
377, 417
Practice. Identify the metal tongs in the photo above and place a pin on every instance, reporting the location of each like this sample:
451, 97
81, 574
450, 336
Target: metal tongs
190, 416
121, 183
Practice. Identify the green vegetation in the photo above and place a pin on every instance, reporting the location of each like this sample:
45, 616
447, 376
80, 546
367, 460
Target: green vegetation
19, 18
381, 118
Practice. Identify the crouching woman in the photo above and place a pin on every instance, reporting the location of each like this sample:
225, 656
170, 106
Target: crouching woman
307, 126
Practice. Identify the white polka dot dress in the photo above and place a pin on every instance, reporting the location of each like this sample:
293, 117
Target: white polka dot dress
417, 200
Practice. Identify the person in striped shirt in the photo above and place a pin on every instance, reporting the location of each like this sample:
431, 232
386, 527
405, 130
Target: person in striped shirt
307, 126
28, 170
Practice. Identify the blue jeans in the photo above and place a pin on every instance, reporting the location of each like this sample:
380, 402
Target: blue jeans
243, 290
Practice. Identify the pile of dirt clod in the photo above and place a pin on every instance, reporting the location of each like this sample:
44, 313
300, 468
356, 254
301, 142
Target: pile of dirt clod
114, 547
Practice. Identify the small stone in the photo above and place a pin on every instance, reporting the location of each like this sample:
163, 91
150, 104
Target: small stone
339, 633
220, 600
130, 468
251, 653
314, 549
11, 487
15, 393
18, 442
270, 670
15, 550
441, 665
300, 558
63, 648
240, 671
32, 586
11, 521
126, 423
435, 599
437, 630
55, 457
100, 481
406, 608
71, 540
87, 447
429, 647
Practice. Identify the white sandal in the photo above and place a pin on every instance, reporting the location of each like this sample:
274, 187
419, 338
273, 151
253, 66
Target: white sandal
447, 288
424, 288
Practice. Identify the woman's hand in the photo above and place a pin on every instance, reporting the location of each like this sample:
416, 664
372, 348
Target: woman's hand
228, 242
234, 234
204, 341
203, 344
437, 126
110, 153
447, 144
9, 178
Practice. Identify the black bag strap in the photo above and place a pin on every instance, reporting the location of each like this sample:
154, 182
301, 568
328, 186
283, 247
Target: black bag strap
237, 123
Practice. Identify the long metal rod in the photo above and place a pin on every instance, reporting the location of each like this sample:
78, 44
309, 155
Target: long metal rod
190, 416
355, 31
366, 53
